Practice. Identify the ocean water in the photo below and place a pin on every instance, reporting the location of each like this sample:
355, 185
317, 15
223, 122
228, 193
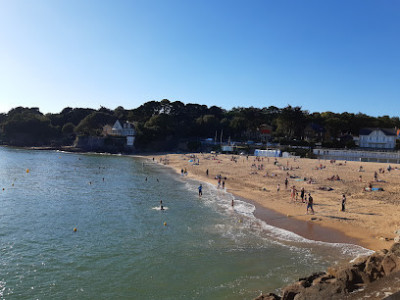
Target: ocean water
125, 248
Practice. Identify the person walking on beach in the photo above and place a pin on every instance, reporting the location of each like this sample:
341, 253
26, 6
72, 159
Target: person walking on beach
200, 190
293, 193
207, 172
310, 203
223, 184
302, 194
286, 183
343, 202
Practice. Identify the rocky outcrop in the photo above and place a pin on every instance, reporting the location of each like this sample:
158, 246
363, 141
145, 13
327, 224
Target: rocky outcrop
337, 282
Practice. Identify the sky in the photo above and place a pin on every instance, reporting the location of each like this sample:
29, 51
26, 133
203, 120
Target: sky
330, 55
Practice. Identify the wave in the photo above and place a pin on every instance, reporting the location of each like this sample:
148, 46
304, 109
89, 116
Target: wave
243, 212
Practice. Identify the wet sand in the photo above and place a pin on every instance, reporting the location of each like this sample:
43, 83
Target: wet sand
370, 219
307, 229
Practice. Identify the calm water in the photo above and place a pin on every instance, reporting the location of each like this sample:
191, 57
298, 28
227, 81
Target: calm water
121, 249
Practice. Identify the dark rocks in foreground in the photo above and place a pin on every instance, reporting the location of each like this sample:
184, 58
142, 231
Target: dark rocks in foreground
339, 282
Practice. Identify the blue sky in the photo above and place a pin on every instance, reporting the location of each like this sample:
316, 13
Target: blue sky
322, 55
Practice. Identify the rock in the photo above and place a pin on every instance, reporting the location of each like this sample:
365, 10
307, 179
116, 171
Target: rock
324, 279
307, 281
291, 291
391, 263
351, 278
373, 266
320, 291
395, 249
339, 281
360, 262
269, 296
382, 251
332, 271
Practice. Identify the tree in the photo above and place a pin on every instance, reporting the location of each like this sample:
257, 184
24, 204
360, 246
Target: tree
291, 122
93, 124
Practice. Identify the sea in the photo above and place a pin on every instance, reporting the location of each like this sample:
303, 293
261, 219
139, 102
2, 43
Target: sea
89, 226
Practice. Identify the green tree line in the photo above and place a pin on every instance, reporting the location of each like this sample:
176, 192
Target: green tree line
166, 123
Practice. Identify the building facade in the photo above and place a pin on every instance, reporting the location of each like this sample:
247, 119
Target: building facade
377, 138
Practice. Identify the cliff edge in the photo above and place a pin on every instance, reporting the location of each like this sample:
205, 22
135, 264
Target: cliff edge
374, 277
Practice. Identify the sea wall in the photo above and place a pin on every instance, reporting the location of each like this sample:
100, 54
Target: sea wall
102, 144
339, 282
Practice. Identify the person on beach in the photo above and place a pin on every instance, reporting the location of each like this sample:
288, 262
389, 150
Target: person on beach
207, 172
302, 192
200, 190
181, 172
293, 193
343, 202
310, 203
161, 205
278, 187
232, 203
223, 184
286, 183
219, 183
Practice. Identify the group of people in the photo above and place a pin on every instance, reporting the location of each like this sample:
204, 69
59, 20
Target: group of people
310, 201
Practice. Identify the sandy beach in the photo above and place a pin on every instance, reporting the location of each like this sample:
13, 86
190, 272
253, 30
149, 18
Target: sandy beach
371, 215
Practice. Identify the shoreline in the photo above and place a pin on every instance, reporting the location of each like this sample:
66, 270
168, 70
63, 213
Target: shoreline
331, 227
306, 229
370, 218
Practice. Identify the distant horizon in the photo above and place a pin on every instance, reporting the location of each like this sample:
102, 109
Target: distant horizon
338, 56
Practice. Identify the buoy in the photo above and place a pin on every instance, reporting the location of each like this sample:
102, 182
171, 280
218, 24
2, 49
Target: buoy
12, 184
165, 223
27, 170
75, 229
3, 189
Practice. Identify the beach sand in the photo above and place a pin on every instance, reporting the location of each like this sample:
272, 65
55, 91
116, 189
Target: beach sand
370, 219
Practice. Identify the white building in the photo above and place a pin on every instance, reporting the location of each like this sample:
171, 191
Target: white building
267, 153
127, 130
358, 155
379, 138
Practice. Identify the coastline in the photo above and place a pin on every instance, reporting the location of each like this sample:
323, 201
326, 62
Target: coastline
370, 220
321, 227
307, 229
